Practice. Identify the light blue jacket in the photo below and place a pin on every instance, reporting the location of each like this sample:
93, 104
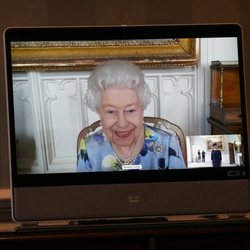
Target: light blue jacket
161, 150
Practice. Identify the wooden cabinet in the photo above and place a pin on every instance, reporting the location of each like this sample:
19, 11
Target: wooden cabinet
202, 234
225, 111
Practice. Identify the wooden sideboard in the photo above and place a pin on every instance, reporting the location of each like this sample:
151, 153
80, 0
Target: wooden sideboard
208, 233
225, 111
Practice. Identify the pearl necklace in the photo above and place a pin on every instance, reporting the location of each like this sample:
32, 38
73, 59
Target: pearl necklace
129, 160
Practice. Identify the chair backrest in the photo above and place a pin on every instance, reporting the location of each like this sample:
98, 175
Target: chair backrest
153, 121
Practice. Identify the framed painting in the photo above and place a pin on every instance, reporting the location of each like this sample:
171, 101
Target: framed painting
219, 140
78, 55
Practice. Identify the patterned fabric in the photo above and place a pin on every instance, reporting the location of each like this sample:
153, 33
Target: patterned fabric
161, 150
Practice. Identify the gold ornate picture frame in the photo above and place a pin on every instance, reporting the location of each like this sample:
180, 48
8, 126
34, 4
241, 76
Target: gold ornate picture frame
219, 140
78, 55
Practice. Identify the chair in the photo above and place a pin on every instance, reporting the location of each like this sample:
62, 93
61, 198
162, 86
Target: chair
153, 121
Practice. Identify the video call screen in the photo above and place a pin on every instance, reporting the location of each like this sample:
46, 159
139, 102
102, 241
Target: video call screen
195, 84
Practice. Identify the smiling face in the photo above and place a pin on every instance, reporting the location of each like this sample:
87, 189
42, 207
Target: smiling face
121, 115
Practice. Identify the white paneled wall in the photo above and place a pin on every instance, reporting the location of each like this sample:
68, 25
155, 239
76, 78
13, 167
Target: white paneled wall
174, 96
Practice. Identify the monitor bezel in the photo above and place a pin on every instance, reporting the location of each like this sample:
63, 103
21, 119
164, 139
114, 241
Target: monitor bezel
122, 32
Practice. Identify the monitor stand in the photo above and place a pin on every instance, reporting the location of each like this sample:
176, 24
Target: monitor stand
128, 222
121, 221
91, 223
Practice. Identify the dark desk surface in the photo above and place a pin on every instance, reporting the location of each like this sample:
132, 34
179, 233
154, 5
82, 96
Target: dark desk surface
190, 232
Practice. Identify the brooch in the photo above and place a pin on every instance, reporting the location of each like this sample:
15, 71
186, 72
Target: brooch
158, 148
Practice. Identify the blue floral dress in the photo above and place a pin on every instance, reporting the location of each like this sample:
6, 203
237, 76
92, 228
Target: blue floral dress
161, 150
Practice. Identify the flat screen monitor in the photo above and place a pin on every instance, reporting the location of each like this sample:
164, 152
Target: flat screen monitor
194, 81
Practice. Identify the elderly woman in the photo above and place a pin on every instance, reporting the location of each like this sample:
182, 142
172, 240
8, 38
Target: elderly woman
119, 94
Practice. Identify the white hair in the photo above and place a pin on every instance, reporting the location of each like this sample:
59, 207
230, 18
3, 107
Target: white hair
116, 73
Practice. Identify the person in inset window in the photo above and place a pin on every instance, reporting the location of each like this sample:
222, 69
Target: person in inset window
216, 156
117, 91
199, 155
203, 154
